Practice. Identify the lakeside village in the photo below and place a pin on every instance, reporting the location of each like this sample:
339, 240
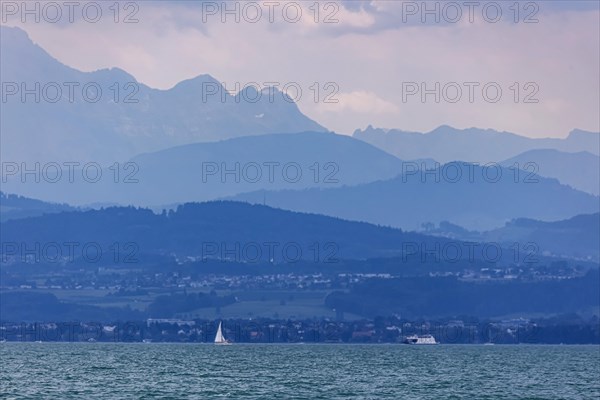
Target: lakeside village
566, 329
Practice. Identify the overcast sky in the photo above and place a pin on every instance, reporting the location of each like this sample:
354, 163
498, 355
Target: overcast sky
375, 55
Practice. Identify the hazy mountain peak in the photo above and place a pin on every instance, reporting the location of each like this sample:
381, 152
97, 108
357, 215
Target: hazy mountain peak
575, 133
14, 33
24, 59
115, 74
141, 119
444, 129
197, 83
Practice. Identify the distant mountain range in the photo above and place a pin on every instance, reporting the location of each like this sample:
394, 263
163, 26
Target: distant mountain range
579, 170
180, 145
207, 171
475, 201
445, 143
73, 128
576, 237
258, 168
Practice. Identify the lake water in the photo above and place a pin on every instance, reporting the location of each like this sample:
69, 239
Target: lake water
201, 371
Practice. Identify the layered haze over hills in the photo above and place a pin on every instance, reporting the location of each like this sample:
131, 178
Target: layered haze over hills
574, 160
473, 196
576, 237
445, 143
581, 170
161, 139
193, 174
207, 171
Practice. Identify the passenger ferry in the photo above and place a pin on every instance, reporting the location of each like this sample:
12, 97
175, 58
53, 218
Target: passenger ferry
420, 339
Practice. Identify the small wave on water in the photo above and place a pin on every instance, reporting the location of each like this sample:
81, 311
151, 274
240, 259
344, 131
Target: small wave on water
101, 368
69, 371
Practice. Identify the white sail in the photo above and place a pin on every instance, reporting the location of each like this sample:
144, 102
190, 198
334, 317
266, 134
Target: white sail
219, 338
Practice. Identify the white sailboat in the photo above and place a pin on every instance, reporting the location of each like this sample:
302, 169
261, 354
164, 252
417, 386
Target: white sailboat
219, 338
